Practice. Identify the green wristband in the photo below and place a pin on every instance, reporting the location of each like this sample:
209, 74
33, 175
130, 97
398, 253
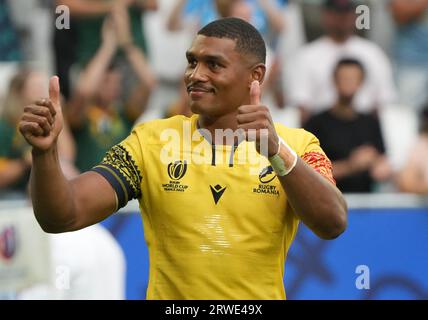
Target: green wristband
278, 163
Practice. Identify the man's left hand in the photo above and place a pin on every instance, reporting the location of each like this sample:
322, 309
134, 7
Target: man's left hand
257, 117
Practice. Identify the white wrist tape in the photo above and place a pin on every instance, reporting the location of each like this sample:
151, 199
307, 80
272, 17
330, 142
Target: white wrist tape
277, 162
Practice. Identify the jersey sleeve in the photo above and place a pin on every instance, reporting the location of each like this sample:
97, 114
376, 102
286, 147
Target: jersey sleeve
314, 156
122, 167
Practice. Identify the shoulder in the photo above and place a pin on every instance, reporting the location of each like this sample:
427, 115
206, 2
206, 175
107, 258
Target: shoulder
368, 47
297, 138
153, 130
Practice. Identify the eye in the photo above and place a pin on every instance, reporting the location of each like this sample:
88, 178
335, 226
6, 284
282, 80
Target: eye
213, 65
192, 62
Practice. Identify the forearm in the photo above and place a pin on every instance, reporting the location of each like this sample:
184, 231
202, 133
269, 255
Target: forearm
342, 169
75, 112
405, 11
94, 72
139, 96
60, 205
136, 104
89, 81
175, 18
316, 201
85, 8
139, 64
274, 16
51, 193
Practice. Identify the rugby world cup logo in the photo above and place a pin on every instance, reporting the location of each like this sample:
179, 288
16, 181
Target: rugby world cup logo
177, 169
7, 243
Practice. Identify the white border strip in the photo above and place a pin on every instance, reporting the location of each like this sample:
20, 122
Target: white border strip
354, 201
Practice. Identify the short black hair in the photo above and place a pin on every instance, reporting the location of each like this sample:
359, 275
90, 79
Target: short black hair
342, 6
349, 62
248, 39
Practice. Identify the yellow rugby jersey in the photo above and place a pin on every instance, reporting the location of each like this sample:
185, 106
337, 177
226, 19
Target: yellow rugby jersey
218, 225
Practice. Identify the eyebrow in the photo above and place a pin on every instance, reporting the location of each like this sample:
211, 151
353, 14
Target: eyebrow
207, 57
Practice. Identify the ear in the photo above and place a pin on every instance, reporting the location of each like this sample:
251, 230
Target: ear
258, 73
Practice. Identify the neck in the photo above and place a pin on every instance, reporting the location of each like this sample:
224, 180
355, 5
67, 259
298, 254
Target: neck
344, 109
227, 121
339, 38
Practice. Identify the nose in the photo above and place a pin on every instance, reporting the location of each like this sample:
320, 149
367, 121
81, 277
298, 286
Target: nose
197, 73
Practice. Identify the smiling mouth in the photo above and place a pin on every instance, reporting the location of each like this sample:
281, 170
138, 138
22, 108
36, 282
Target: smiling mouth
195, 89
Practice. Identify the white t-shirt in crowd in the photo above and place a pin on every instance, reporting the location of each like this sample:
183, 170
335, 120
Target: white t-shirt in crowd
309, 80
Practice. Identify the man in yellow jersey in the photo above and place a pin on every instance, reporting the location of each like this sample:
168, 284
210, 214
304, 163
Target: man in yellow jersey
219, 213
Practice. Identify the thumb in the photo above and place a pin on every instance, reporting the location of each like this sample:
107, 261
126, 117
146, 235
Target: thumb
255, 93
54, 94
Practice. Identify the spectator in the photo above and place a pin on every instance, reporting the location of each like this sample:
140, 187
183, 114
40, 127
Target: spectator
309, 85
90, 16
411, 46
15, 158
82, 40
352, 140
414, 176
96, 114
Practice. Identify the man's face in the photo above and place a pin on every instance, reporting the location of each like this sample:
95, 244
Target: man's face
349, 79
339, 25
217, 76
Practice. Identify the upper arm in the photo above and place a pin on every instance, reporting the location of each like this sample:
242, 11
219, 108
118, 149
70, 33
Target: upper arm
110, 184
308, 148
315, 157
122, 169
94, 199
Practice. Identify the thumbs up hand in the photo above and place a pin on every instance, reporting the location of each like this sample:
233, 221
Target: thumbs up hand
42, 121
256, 121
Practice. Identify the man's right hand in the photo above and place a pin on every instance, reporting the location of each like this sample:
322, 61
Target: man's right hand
42, 121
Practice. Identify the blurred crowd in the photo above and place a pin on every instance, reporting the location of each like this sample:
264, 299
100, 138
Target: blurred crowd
356, 78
